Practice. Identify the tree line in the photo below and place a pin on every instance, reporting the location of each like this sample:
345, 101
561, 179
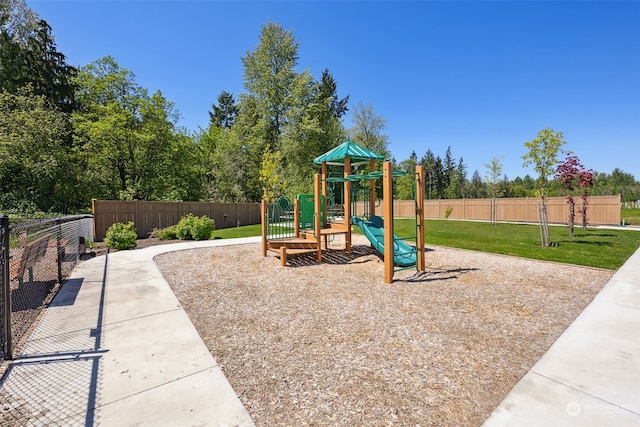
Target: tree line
69, 134
447, 178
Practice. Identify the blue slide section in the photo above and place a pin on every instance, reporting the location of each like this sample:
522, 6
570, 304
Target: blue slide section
404, 255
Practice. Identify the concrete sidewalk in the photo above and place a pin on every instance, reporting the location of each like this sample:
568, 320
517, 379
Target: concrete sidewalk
591, 375
115, 348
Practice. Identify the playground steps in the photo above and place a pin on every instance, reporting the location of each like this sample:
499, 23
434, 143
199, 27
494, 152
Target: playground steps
292, 246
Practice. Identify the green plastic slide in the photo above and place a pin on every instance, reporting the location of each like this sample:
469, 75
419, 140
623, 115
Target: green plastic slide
404, 255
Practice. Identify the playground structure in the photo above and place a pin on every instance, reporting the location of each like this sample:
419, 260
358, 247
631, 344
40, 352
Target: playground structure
290, 228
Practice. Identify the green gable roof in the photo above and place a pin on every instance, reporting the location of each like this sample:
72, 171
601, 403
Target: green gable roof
349, 149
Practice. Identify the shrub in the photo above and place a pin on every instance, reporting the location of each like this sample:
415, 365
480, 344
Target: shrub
168, 233
447, 213
121, 236
195, 228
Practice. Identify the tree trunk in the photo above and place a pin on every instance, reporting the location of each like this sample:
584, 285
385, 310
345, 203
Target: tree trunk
584, 212
544, 224
572, 215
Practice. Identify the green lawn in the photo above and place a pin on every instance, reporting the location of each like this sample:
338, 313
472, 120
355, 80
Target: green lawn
630, 216
595, 247
235, 232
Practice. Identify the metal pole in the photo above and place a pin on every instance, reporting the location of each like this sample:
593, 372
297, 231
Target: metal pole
6, 289
59, 250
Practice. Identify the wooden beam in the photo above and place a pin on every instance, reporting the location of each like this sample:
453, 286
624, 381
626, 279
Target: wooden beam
263, 216
420, 218
296, 218
316, 219
347, 204
387, 198
325, 191
372, 189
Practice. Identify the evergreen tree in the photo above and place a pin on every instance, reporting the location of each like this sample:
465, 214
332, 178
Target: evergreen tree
28, 55
476, 186
224, 114
328, 93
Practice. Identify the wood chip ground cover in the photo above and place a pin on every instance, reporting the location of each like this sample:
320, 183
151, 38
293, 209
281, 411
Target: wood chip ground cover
331, 344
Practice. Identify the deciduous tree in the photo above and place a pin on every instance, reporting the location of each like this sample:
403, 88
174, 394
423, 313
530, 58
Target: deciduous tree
494, 172
543, 155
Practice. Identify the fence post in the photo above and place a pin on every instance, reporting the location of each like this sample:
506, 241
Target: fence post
7, 339
59, 249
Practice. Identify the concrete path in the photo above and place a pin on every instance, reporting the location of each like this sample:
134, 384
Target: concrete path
115, 348
591, 375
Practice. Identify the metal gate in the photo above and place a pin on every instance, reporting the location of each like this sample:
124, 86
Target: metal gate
37, 256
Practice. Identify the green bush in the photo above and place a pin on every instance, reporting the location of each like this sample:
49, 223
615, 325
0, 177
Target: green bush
447, 213
195, 228
121, 236
168, 233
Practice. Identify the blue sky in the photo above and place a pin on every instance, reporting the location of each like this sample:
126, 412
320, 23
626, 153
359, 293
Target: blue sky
480, 77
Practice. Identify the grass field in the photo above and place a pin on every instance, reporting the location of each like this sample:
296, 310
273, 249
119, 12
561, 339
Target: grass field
596, 247
630, 216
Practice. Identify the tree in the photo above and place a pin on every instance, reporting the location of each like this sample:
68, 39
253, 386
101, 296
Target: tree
542, 154
567, 174
328, 93
329, 109
461, 173
130, 145
433, 175
224, 114
28, 55
368, 130
17, 19
585, 182
405, 185
449, 175
476, 186
286, 112
495, 170
269, 74
35, 163
273, 183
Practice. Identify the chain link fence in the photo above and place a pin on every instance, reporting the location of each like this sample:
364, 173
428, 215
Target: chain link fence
37, 256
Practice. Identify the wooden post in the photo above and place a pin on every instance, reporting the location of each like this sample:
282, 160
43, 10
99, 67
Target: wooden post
263, 214
420, 218
387, 197
325, 192
372, 189
347, 205
317, 226
296, 218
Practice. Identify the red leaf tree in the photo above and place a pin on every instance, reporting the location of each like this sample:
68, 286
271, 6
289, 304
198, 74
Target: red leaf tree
585, 182
571, 174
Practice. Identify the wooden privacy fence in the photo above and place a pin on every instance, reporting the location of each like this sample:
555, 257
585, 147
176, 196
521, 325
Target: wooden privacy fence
601, 210
150, 215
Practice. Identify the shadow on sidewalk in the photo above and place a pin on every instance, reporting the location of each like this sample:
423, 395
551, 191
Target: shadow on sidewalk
55, 380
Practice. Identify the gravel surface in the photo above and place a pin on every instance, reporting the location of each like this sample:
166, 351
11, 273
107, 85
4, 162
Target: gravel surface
331, 344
